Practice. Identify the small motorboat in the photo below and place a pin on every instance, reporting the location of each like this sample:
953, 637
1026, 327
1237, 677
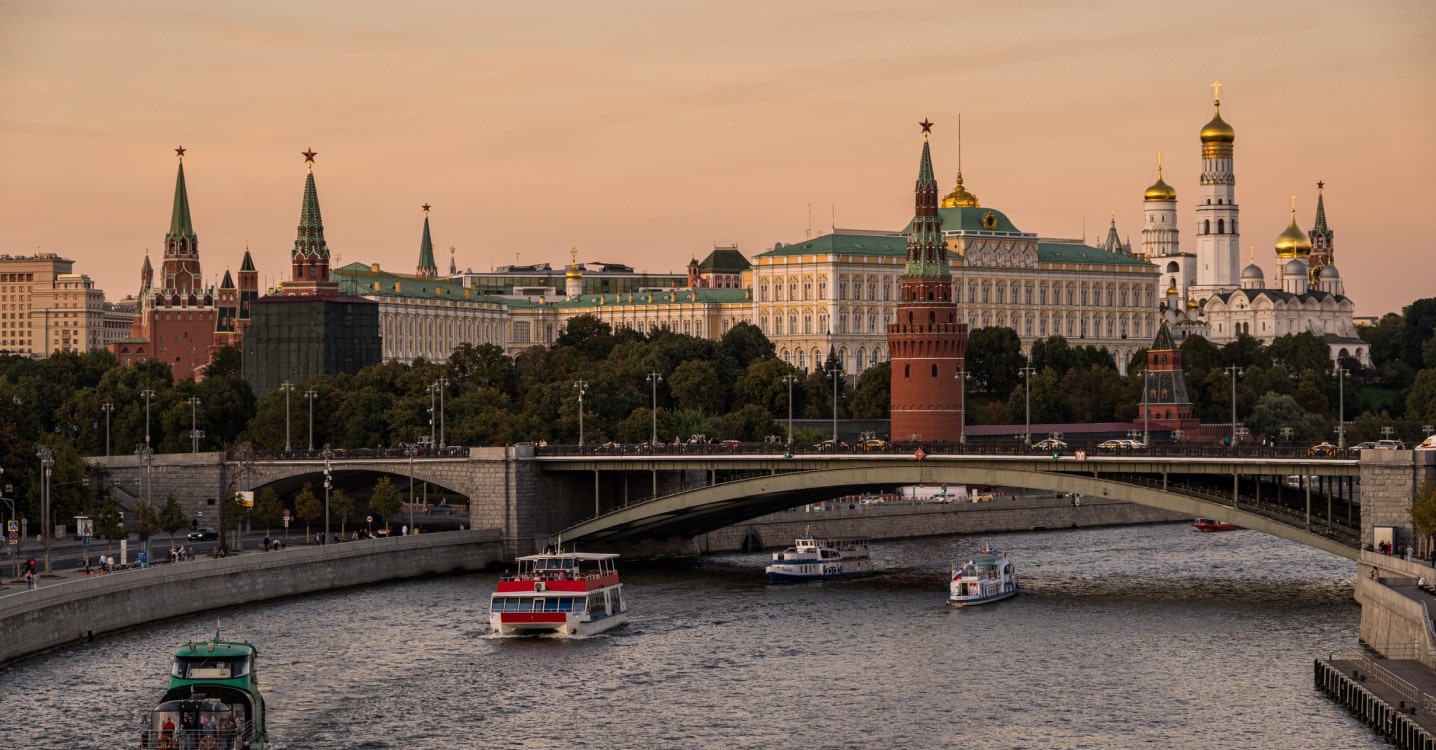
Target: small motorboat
1211, 524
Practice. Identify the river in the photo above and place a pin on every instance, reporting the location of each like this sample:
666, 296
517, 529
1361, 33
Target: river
1131, 637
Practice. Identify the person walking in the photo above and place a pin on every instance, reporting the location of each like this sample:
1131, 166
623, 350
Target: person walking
29, 581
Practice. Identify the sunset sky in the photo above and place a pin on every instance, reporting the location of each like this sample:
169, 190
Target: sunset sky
645, 132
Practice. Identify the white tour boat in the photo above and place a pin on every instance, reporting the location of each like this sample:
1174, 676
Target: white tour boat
814, 559
564, 593
984, 577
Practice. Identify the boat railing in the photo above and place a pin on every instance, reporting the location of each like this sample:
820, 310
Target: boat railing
157, 738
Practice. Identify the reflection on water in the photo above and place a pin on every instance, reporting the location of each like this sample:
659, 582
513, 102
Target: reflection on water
1130, 637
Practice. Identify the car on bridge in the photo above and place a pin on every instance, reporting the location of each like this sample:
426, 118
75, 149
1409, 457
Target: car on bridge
1390, 445
1366, 446
1323, 449
202, 534
827, 446
1121, 444
1050, 444
872, 445
1429, 444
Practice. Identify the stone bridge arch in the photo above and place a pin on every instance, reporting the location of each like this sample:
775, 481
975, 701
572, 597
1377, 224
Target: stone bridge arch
705, 509
289, 476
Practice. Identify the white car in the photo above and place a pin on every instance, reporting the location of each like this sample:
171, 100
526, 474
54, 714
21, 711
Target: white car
1429, 444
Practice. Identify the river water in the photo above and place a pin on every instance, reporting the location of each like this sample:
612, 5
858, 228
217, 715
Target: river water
1132, 637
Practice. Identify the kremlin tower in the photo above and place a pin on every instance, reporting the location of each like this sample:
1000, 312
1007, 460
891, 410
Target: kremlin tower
310, 256
927, 342
1165, 402
427, 269
1218, 238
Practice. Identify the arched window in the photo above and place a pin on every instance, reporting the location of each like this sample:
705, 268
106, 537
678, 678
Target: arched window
907, 371
934, 370
1206, 226
1221, 226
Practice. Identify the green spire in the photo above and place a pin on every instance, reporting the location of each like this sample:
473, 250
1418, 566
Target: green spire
427, 267
310, 240
925, 177
147, 266
926, 250
180, 226
248, 263
228, 282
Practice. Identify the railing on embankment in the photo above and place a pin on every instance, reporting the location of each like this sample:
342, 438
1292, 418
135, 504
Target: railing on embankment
61, 613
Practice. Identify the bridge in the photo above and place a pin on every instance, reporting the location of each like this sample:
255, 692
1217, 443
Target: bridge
602, 496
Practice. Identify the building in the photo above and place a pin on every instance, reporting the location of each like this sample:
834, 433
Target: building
1165, 402
543, 281
178, 320
724, 268
45, 307
927, 341
1218, 234
309, 328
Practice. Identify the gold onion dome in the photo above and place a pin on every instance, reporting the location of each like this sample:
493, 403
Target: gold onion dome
1172, 288
572, 274
1293, 243
1192, 304
959, 197
1218, 131
1160, 191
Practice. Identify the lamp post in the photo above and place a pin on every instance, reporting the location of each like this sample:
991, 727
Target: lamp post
835, 372
328, 483
1146, 409
47, 462
1027, 373
311, 394
433, 413
441, 384
1235, 372
193, 402
962, 377
286, 386
654, 379
147, 394
1340, 373
412, 450
582, 387
14, 554
790, 379
107, 408
1286, 433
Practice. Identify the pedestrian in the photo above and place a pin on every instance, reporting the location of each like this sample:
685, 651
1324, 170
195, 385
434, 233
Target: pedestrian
405, 530
29, 580
265, 545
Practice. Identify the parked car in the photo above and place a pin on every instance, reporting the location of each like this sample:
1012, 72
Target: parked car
872, 444
827, 445
1363, 446
1050, 444
728, 445
443, 509
1429, 444
202, 534
1322, 449
1116, 445
611, 447
1390, 445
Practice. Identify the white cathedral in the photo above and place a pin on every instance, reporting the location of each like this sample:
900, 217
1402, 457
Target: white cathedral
1205, 294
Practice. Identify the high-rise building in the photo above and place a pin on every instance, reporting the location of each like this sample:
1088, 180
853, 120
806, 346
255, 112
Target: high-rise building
45, 307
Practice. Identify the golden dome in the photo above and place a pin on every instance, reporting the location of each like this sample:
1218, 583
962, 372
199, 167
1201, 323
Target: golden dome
1293, 243
572, 274
1193, 305
1160, 191
1172, 290
1218, 131
959, 197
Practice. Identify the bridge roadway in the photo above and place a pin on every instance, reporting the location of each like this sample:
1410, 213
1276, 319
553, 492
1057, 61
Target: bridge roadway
1322, 512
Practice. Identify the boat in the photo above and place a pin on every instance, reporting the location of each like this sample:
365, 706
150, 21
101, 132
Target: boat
814, 559
984, 577
212, 703
559, 593
1211, 524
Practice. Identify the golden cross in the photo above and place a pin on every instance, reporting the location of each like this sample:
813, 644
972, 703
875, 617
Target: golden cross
1216, 91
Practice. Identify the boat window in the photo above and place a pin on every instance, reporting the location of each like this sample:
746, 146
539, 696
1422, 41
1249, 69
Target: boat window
191, 668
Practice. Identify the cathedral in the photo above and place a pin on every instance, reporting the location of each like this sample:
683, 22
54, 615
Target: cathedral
1204, 293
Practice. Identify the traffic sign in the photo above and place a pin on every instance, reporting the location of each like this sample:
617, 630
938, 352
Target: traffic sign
87, 541
199, 514
369, 519
286, 521
12, 526
1081, 455
286, 512
14, 538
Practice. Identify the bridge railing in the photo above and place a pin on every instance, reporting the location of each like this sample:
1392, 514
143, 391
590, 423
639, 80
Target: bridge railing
1174, 449
724, 479
1285, 514
339, 454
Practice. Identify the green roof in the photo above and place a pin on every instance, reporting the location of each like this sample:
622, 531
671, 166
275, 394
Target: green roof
180, 225
670, 297
971, 220
358, 279
1076, 252
426, 247
894, 245
725, 260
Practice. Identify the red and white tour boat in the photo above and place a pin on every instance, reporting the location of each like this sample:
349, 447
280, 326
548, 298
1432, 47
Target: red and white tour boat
563, 593
1211, 524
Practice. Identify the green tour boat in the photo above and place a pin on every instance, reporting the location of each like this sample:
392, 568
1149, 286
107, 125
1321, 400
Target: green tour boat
213, 700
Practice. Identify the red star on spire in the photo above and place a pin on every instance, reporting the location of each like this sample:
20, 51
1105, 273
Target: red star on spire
926, 126
180, 151
425, 207
309, 155
1320, 184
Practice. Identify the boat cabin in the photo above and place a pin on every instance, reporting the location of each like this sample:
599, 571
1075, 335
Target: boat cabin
196, 724
209, 666
574, 566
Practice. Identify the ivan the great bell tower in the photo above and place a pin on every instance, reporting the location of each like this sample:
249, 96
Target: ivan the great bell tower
927, 343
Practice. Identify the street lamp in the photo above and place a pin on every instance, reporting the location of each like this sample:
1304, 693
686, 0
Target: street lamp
1340, 373
433, 413
1235, 372
1286, 433
963, 377
47, 462
582, 387
441, 384
147, 394
790, 379
1026, 373
311, 394
193, 429
835, 372
286, 386
412, 450
1146, 408
328, 482
654, 379
107, 408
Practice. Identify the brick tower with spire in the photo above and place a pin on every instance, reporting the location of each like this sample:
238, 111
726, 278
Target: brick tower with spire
310, 257
1165, 402
1323, 245
927, 343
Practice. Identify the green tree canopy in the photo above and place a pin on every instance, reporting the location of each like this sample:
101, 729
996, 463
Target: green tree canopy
172, 517
268, 509
384, 502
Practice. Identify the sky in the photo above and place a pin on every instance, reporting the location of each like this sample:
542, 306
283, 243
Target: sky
645, 133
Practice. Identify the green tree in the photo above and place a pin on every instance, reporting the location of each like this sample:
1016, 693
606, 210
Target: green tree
1385, 338
872, 399
384, 502
745, 344
268, 509
1420, 326
147, 522
308, 507
108, 523
1421, 399
589, 335
1275, 411
994, 355
172, 517
1052, 352
750, 423
1423, 512
341, 506
695, 385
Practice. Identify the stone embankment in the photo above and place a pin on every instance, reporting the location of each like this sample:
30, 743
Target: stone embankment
56, 614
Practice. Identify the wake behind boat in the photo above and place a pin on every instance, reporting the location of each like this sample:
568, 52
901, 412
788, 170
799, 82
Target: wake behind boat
984, 577
213, 701
814, 559
1211, 524
565, 593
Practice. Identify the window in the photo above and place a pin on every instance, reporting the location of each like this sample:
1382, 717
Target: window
1221, 226
842, 290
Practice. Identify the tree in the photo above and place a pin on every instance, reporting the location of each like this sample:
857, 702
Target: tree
384, 501
108, 524
1385, 338
1423, 512
341, 506
1275, 411
268, 509
1052, 352
873, 397
1421, 399
1420, 319
745, 344
750, 423
172, 517
695, 385
308, 507
994, 355
147, 522
588, 334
